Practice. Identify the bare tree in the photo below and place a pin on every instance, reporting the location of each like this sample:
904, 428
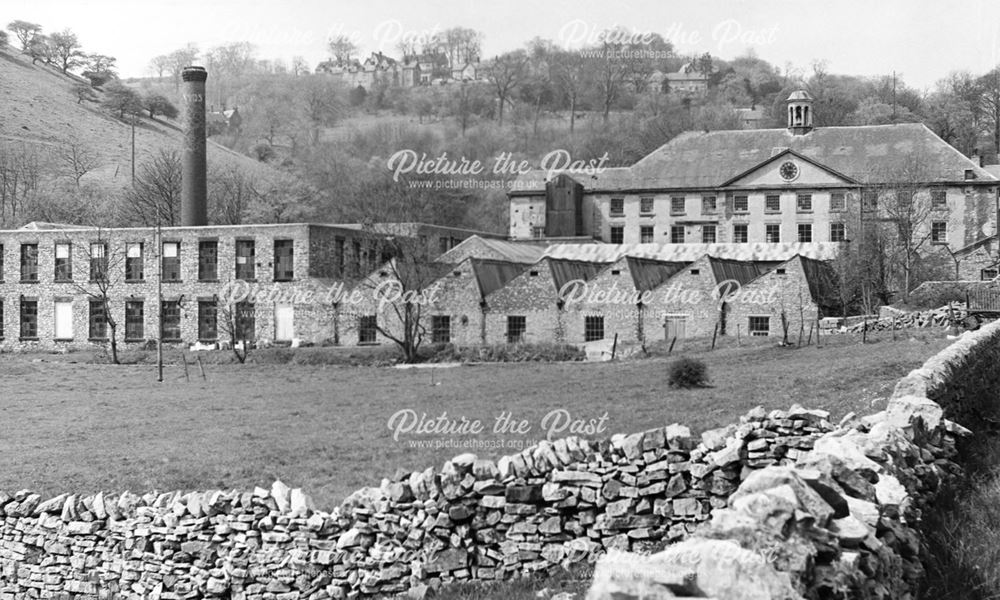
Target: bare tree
159, 65
505, 73
611, 69
469, 99
461, 45
20, 178
122, 100
233, 192
321, 106
25, 32
234, 320
396, 266
905, 207
989, 84
569, 71
178, 59
105, 261
299, 66
866, 273
158, 104
40, 48
342, 48
84, 91
400, 286
66, 50
155, 196
77, 159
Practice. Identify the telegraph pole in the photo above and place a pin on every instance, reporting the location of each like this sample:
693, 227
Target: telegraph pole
894, 96
159, 300
133, 149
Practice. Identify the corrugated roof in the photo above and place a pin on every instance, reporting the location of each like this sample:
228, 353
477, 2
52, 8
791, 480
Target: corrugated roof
492, 275
700, 160
45, 226
564, 271
756, 252
740, 271
822, 280
487, 248
648, 273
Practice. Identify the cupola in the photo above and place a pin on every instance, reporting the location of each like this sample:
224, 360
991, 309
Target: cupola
800, 113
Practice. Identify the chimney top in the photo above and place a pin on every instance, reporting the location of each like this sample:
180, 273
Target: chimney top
194, 74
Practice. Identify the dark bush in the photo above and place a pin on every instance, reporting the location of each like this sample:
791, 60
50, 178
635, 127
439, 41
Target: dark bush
687, 373
541, 352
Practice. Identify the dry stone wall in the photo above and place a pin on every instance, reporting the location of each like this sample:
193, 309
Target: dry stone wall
783, 504
553, 504
844, 521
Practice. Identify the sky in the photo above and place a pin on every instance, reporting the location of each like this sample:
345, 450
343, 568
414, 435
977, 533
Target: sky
921, 40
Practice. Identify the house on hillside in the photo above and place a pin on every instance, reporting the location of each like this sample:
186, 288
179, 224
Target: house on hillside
795, 184
751, 118
465, 72
223, 121
529, 307
794, 295
687, 80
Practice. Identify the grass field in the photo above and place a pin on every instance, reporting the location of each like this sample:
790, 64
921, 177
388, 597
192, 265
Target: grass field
73, 426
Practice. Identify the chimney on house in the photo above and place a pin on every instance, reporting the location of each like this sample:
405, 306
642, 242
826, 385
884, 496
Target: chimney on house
976, 158
194, 179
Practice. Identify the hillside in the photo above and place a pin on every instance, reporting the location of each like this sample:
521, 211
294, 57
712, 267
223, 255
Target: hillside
40, 108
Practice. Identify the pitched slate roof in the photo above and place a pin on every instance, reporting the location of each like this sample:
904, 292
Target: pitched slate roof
701, 160
610, 178
756, 252
648, 273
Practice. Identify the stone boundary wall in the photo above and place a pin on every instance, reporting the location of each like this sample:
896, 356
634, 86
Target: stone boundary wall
844, 521
801, 506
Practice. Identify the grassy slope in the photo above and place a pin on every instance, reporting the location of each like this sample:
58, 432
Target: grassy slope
38, 106
84, 427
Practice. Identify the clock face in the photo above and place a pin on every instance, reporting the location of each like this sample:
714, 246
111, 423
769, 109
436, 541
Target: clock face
788, 171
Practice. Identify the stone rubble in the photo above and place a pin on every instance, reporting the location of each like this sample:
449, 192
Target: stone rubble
938, 317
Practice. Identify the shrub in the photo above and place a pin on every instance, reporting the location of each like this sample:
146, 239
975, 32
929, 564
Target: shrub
687, 373
540, 352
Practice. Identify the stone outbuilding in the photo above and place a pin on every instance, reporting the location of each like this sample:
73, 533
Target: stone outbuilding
692, 303
529, 307
614, 302
790, 297
457, 312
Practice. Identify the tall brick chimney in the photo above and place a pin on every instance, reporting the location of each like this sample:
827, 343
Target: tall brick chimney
194, 179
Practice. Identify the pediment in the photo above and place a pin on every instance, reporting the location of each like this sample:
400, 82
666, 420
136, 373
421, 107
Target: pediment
789, 169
